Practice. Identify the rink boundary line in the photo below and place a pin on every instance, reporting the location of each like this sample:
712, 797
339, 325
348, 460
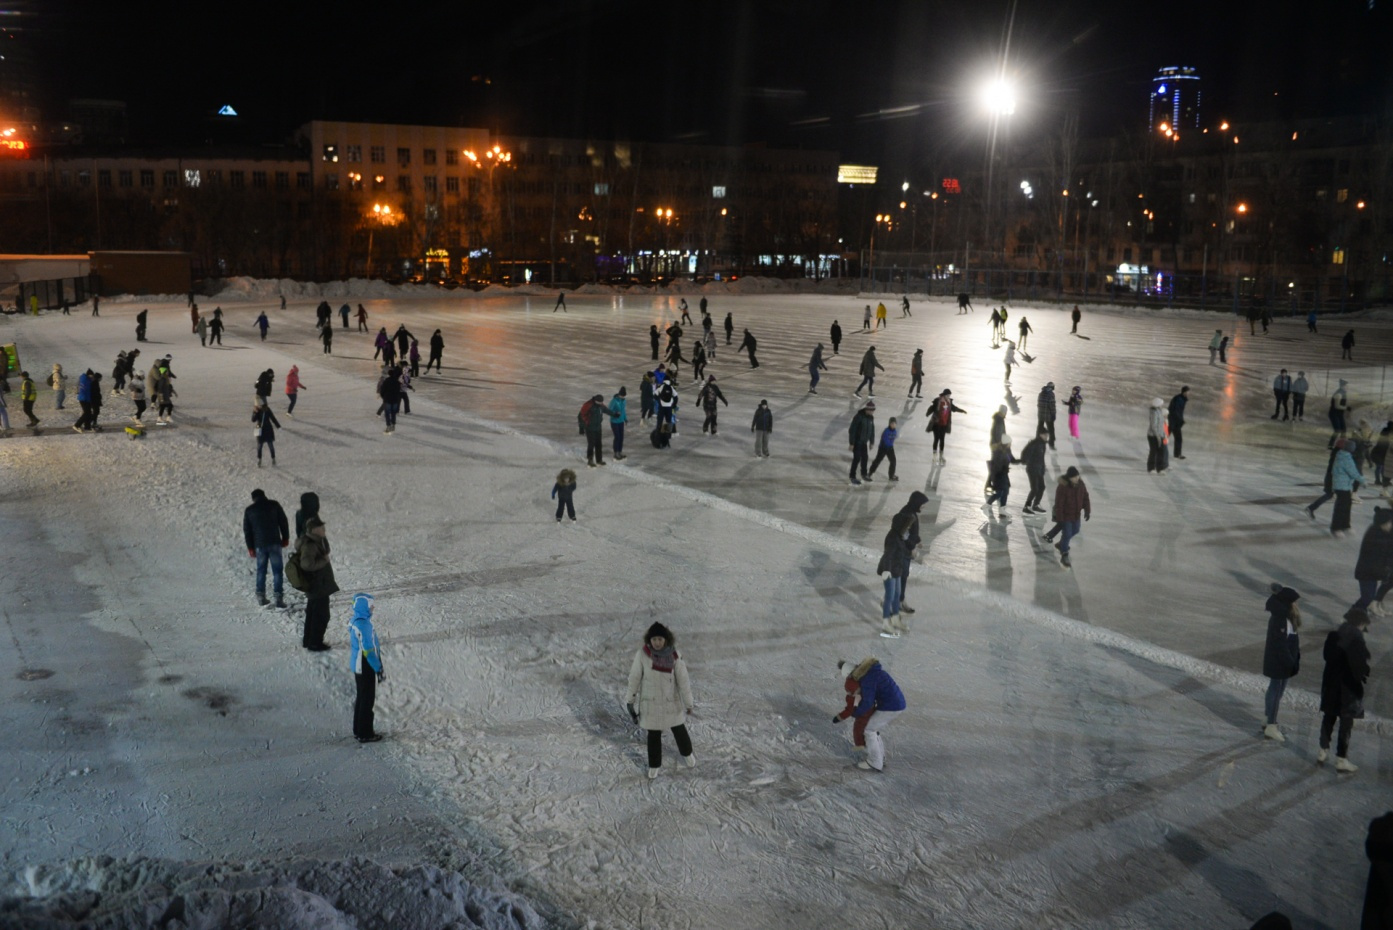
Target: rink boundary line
1067, 626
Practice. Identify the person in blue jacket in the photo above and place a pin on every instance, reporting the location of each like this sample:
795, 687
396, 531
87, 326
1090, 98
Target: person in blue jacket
263, 324
887, 448
1344, 479
618, 416
84, 400
880, 702
366, 662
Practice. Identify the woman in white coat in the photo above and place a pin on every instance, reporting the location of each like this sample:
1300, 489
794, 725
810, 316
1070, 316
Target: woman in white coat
1158, 455
660, 696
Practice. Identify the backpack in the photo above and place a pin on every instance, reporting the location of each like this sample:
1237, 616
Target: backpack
666, 392
294, 573
583, 418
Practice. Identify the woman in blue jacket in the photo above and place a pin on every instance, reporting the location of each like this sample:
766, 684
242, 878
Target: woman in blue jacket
881, 701
366, 662
1344, 478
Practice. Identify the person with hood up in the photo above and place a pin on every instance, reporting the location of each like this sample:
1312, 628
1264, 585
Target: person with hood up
880, 316
140, 320
912, 540
866, 320
381, 341
1009, 359
137, 394
1375, 563
312, 548
869, 366
344, 312
1070, 503
861, 434
266, 425
940, 416
262, 387
1046, 409
1215, 341
1177, 418
1342, 684
874, 700
673, 356
309, 507
660, 695
1344, 480
293, 384
894, 564
437, 351
1033, 458
711, 393
999, 474
592, 421
815, 366
413, 355
618, 416
748, 343
1156, 440
836, 337
84, 400
365, 659
1075, 405
119, 370
215, 328
59, 382
1281, 656
762, 426
916, 374
563, 492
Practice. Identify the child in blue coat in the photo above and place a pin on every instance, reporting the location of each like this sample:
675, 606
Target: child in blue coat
561, 493
366, 662
875, 701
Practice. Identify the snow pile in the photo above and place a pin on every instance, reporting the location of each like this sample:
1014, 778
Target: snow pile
356, 894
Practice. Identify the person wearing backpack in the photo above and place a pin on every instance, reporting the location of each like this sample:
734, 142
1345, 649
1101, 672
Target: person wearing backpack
317, 573
591, 420
709, 395
667, 407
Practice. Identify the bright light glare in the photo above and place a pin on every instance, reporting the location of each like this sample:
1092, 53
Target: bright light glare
999, 97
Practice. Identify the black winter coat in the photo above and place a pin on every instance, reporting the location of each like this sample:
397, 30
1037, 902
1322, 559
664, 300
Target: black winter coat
264, 524
1375, 555
1281, 657
895, 559
862, 429
916, 500
1346, 670
1033, 457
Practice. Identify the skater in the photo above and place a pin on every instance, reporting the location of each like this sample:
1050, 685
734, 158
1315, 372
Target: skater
1311, 321
118, 372
5, 407
702, 306
729, 324
964, 302
1347, 346
323, 315
682, 308
390, 392
1157, 453
836, 338
1342, 686
1378, 455
1344, 481
1281, 390
710, 393
312, 551
999, 474
591, 420
1339, 406
996, 327
59, 382
869, 366
365, 658
406, 389
137, 394
815, 366
653, 339
437, 351
1177, 418
748, 343
894, 564
201, 329
403, 338
262, 386
860, 435
326, 336
886, 449
94, 422
1076, 315
84, 399
413, 355
762, 426
1328, 485
389, 354
560, 302
1070, 502
362, 319
940, 416
1025, 330
27, 396
1010, 359
880, 318
645, 397
266, 426
698, 360
660, 695
674, 356
293, 384
1281, 657
866, 320
1224, 351
618, 416
563, 492
1033, 458
1045, 411
96, 302
912, 539
904, 307
344, 312
666, 398
215, 328
267, 532
263, 324
1375, 563
140, 319
193, 318
708, 340
998, 425
382, 342
1214, 342
878, 702
1299, 389
1075, 405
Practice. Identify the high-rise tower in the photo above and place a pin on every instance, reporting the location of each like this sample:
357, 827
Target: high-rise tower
1175, 99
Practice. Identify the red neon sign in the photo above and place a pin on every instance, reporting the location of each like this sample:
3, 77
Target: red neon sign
951, 186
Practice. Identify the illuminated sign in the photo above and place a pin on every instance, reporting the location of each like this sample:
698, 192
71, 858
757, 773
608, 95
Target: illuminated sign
226, 110
951, 186
13, 145
856, 174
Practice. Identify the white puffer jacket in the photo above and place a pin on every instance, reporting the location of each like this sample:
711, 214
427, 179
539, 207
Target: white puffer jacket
663, 699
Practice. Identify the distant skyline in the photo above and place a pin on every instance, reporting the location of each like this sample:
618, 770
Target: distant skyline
878, 81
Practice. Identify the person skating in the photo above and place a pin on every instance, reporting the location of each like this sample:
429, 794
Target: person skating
560, 302
866, 320
27, 395
413, 355
59, 382
193, 318
215, 328
437, 351
1075, 405
1339, 408
1046, 408
666, 399
1342, 686
964, 302
618, 417
1361, 441
1375, 563
118, 372
5, 405
96, 302
1177, 418
880, 316
390, 391
262, 387
762, 425
682, 308
1033, 458
894, 565
1025, 331
140, 320
326, 336
1281, 390
886, 450
201, 330
137, 395
263, 324
1002, 333
1281, 656
365, 659
729, 325
997, 429
654, 337
836, 337
645, 397
563, 492
381, 343
996, 327
293, 384
94, 422
698, 360
904, 307
1076, 315
312, 549
999, 474
1344, 480
1299, 388
869, 366
84, 400
164, 398
406, 389
1311, 321
1347, 346
1157, 453
660, 695
1214, 342
916, 374
1224, 351
344, 312
1070, 502
1328, 492
402, 337
1378, 455
266, 425
592, 420
877, 701
912, 539
362, 319
710, 393
861, 434
1009, 360
749, 343
940, 416
266, 532
708, 340
815, 368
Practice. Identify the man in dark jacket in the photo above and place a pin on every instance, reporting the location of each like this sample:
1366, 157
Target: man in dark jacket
267, 532
747, 343
869, 366
729, 323
861, 435
403, 337
912, 540
1177, 417
1342, 686
592, 422
1375, 557
710, 393
1281, 390
1070, 503
1281, 656
836, 337
1046, 407
1033, 458
653, 339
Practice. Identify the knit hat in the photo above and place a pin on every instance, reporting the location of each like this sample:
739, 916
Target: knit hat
1357, 615
1072, 472
869, 406
598, 398
657, 629
1284, 594
764, 403
623, 391
1157, 402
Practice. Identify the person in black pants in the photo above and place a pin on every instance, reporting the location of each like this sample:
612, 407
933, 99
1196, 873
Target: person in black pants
660, 695
1177, 417
860, 435
653, 339
1033, 457
592, 420
1046, 408
437, 351
367, 668
747, 343
836, 337
730, 325
313, 552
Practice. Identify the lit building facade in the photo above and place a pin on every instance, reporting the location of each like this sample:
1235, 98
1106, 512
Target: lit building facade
1175, 99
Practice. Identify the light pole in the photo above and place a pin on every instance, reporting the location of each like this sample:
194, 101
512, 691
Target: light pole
491, 158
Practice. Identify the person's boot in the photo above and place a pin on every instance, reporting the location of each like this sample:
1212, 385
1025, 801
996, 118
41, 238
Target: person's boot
1322, 756
1345, 766
653, 773
1271, 732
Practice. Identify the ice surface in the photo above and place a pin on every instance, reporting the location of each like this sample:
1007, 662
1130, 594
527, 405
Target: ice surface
1081, 748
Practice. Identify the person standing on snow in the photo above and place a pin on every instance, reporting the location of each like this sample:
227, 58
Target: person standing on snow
365, 659
140, 319
27, 396
563, 492
869, 366
916, 374
362, 320
866, 320
390, 392
592, 420
1299, 389
1010, 359
381, 342
698, 360
880, 316
836, 337
326, 336
618, 416
312, 548
887, 448
1344, 480
1214, 345
815, 366
748, 343
660, 696
267, 532
1075, 405
1157, 452
710, 393
653, 339
762, 426
1281, 656
1347, 346
344, 312
1281, 390
1375, 563
293, 386
1339, 408
1070, 502
263, 324
266, 425
894, 564
1347, 658
729, 325
1033, 457
59, 382
437, 351
941, 421
875, 700
861, 434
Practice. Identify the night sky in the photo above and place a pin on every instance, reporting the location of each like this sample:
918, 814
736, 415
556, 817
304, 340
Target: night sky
808, 73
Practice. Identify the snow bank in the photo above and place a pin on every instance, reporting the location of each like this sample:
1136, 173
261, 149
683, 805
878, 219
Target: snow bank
356, 894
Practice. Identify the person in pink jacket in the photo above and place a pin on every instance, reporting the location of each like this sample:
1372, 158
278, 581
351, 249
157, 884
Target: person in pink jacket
292, 388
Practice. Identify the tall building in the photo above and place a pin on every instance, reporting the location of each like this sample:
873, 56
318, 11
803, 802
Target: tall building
1175, 98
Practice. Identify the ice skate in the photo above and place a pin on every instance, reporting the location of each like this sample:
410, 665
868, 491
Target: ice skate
1271, 732
888, 630
690, 760
1344, 766
652, 774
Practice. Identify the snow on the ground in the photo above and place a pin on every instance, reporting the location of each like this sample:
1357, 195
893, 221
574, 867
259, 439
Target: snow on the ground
1081, 748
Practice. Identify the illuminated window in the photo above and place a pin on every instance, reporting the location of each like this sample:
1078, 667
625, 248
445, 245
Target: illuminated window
378, 154
452, 185
331, 152
601, 189
427, 156
1342, 195
259, 179
718, 192
282, 180
147, 179
1337, 257
404, 157
192, 177
451, 157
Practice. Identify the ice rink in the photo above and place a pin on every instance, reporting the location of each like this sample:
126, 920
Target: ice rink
1081, 747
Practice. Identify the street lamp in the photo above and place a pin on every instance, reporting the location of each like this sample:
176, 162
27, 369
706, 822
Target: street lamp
381, 215
998, 99
492, 159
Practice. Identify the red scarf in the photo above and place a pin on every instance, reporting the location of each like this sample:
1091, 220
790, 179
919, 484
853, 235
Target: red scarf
663, 660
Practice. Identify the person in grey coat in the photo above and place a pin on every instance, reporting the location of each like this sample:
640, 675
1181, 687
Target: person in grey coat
1299, 389
815, 365
869, 366
1281, 657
